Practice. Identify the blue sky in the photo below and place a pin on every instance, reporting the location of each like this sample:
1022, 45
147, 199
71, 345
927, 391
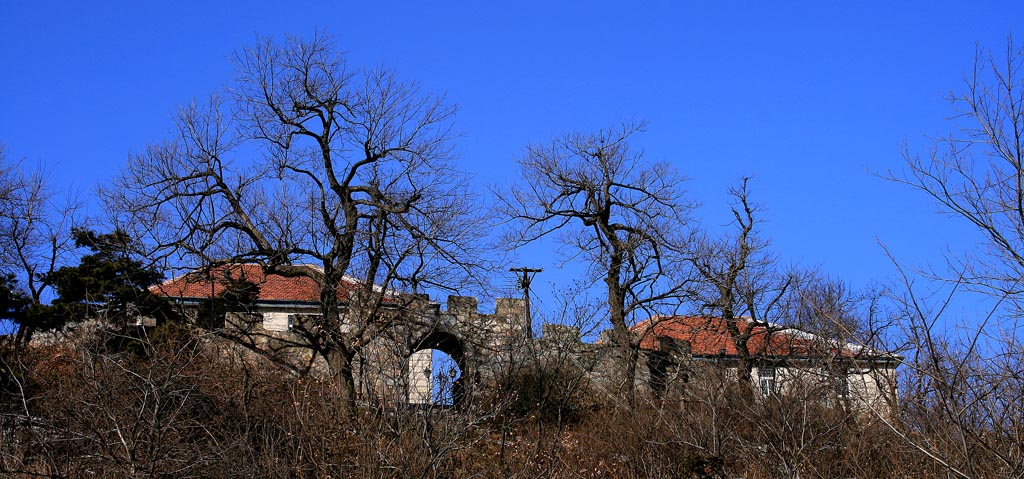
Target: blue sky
808, 97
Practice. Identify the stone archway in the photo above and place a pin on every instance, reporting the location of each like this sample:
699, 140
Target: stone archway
430, 382
480, 345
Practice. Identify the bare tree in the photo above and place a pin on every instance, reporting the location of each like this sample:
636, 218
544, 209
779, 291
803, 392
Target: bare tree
965, 386
626, 218
35, 231
976, 173
962, 401
830, 308
310, 161
740, 281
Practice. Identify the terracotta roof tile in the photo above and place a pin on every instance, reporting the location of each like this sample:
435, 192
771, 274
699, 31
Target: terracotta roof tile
709, 336
273, 287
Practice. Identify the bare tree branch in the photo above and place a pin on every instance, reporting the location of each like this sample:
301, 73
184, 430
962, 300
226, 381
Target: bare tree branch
309, 161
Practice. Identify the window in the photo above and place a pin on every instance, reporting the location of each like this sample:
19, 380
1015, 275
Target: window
279, 321
766, 379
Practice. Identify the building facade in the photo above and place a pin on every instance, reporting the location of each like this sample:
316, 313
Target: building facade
396, 364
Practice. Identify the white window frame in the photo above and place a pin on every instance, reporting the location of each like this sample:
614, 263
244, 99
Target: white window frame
766, 379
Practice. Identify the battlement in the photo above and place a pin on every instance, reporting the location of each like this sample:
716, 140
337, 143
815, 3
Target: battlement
463, 307
561, 333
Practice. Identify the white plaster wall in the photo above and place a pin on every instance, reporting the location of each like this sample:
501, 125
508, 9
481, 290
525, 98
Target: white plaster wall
420, 384
275, 321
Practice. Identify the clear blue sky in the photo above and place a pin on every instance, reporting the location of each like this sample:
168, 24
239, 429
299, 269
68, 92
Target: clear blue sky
809, 97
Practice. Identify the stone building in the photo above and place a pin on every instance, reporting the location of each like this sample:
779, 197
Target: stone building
396, 363
782, 359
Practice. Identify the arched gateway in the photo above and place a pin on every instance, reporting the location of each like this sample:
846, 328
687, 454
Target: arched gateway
397, 364
443, 354
435, 370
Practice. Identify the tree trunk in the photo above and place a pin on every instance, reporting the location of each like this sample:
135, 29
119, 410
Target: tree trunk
744, 378
338, 353
632, 356
622, 337
343, 373
23, 336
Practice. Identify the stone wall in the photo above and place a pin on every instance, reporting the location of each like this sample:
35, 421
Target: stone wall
395, 366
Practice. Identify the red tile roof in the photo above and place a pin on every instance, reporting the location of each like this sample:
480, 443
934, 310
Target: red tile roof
709, 336
273, 287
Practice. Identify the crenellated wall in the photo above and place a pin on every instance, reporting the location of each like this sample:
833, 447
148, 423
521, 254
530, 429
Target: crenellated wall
395, 366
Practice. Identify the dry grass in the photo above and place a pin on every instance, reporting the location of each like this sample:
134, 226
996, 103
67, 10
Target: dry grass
185, 407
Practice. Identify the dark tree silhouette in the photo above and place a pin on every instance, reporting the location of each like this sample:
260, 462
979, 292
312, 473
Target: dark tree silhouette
312, 168
627, 218
108, 283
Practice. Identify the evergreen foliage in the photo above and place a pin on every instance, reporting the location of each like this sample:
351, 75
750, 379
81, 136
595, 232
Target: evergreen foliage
13, 301
107, 283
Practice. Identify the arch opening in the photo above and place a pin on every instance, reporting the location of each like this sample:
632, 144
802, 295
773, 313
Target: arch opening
435, 371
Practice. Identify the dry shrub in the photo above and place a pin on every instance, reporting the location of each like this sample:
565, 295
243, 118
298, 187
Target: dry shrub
643, 442
549, 391
181, 405
194, 407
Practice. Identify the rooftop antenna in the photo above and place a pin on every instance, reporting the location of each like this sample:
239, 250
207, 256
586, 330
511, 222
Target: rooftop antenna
525, 276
